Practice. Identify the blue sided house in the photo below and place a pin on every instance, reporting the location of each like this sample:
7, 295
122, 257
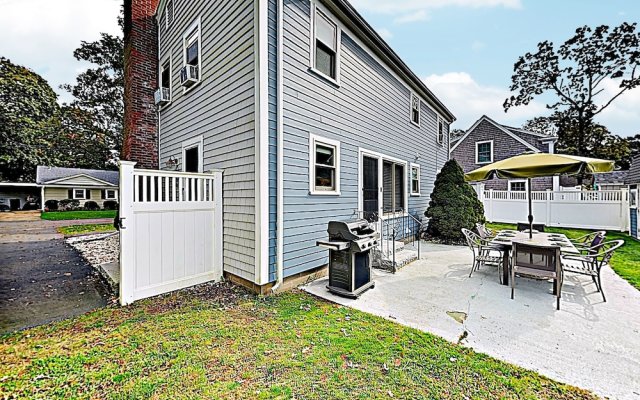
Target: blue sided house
309, 113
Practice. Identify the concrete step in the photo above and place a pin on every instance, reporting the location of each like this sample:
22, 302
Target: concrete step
388, 245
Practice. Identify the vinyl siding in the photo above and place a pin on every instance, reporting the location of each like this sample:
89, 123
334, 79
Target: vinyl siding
221, 109
634, 222
56, 193
371, 110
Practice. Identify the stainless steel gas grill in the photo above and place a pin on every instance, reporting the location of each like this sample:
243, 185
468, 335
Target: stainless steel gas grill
350, 244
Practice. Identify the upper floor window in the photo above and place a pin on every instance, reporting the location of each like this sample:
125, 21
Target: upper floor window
415, 109
324, 166
484, 152
163, 94
169, 13
325, 46
192, 56
441, 131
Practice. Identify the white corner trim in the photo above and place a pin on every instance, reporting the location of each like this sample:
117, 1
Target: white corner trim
313, 141
280, 156
190, 144
476, 149
261, 35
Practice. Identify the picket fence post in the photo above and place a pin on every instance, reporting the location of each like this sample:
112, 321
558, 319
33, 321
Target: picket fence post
127, 234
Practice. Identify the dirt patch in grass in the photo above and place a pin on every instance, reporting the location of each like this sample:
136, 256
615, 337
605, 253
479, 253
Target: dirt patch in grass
218, 341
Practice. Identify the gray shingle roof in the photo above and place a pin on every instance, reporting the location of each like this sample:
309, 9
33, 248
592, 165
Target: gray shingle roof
633, 176
47, 174
611, 177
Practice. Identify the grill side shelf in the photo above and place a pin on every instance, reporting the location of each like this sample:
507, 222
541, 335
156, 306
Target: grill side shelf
333, 245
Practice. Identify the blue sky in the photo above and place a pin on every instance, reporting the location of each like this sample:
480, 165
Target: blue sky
463, 49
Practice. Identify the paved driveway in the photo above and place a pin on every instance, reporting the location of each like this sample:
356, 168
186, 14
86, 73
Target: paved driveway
588, 343
42, 279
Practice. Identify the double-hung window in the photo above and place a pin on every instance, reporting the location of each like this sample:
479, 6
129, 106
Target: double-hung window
324, 166
415, 180
165, 81
393, 187
484, 152
110, 194
325, 47
415, 109
441, 131
192, 56
79, 194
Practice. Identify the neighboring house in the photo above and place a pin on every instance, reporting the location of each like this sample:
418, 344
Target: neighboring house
615, 180
309, 113
488, 141
78, 184
633, 180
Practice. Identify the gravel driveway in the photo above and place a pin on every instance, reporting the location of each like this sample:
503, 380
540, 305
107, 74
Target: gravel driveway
42, 279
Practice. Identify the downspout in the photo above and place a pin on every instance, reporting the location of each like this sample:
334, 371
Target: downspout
280, 156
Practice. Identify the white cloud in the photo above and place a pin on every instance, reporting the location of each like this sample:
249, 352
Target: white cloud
42, 34
621, 117
469, 100
385, 33
417, 10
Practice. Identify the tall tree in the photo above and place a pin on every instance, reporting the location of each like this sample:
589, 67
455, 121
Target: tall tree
99, 91
541, 125
576, 74
28, 121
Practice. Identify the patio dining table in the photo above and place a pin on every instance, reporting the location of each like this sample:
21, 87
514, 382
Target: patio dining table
504, 241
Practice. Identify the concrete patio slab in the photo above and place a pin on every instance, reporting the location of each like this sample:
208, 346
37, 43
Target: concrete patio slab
588, 343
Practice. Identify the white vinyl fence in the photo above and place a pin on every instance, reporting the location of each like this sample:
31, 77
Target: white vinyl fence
171, 235
607, 210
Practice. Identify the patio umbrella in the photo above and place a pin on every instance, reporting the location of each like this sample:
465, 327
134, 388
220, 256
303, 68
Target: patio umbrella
539, 165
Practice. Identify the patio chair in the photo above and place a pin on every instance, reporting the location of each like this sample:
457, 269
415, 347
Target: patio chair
484, 232
590, 263
537, 261
589, 240
482, 251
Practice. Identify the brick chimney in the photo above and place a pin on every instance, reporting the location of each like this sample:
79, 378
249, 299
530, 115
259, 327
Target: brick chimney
140, 81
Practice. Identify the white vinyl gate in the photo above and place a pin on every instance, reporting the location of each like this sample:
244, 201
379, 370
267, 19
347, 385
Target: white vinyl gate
171, 234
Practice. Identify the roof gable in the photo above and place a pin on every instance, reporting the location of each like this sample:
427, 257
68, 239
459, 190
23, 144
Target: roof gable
91, 177
501, 128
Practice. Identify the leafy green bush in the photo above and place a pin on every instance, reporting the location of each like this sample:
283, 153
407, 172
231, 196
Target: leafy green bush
110, 205
454, 205
69, 205
51, 205
91, 205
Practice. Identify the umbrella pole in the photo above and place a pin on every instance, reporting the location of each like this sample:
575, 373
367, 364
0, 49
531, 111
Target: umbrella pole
530, 208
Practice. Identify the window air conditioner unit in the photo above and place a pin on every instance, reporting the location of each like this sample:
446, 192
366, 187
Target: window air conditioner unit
189, 75
162, 96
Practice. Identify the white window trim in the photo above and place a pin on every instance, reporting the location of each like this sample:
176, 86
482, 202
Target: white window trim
170, 87
416, 166
482, 142
631, 204
313, 140
441, 140
84, 194
190, 144
411, 109
381, 158
517, 181
106, 194
315, 7
193, 27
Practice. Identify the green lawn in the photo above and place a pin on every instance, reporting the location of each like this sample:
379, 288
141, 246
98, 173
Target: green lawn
84, 229
223, 343
626, 260
70, 215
